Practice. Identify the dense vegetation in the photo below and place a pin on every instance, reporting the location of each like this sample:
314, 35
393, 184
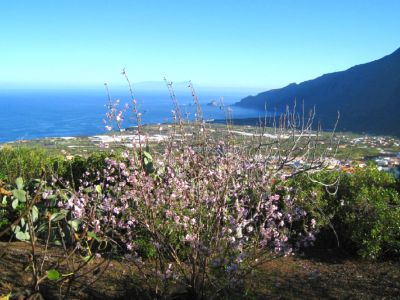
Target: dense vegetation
359, 213
91, 205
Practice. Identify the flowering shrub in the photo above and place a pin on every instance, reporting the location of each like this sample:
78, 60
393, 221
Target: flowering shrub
201, 214
203, 217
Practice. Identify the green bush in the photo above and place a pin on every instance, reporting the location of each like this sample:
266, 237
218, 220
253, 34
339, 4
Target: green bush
74, 169
370, 212
33, 163
361, 212
28, 163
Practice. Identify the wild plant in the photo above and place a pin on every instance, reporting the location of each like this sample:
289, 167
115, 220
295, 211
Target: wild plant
57, 253
201, 215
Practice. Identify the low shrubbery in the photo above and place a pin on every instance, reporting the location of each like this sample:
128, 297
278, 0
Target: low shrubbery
28, 163
360, 211
202, 218
38, 163
37, 171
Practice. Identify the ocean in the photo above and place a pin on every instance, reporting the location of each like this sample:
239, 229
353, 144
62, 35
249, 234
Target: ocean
32, 114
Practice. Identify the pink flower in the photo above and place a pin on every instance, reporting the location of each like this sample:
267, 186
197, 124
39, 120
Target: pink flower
129, 246
70, 202
313, 223
119, 117
189, 238
96, 226
168, 214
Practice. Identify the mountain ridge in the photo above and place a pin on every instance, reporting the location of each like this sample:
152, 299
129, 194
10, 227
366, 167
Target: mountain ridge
367, 96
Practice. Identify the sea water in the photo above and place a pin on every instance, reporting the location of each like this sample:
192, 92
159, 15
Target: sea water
31, 114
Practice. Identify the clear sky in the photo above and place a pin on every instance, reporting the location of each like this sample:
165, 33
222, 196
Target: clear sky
253, 43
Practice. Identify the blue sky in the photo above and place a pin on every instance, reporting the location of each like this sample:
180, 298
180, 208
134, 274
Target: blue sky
229, 43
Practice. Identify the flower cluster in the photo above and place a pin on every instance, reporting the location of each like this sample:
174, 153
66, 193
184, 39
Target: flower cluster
199, 210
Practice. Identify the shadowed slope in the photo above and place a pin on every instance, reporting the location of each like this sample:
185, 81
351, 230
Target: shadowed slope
367, 96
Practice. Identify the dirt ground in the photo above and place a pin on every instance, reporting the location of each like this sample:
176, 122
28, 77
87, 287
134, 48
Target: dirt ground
327, 275
316, 275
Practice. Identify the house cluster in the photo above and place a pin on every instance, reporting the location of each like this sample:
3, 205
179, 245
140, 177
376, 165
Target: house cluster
389, 164
376, 141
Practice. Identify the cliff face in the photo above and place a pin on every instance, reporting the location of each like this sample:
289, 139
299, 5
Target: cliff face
367, 96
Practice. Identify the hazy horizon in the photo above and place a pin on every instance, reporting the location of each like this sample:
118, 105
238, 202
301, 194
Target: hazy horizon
122, 86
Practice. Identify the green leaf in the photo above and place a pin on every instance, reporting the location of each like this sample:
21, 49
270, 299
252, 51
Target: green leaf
87, 258
57, 217
21, 236
35, 213
98, 189
147, 155
14, 204
74, 224
15, 228
22, 222
20, 183
51, 197
42, 228
64, 196
93, 235
53, 275
88, 190
20, 195
4, 202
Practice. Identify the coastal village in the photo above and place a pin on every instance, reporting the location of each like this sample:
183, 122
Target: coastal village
350, 151
388, 159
